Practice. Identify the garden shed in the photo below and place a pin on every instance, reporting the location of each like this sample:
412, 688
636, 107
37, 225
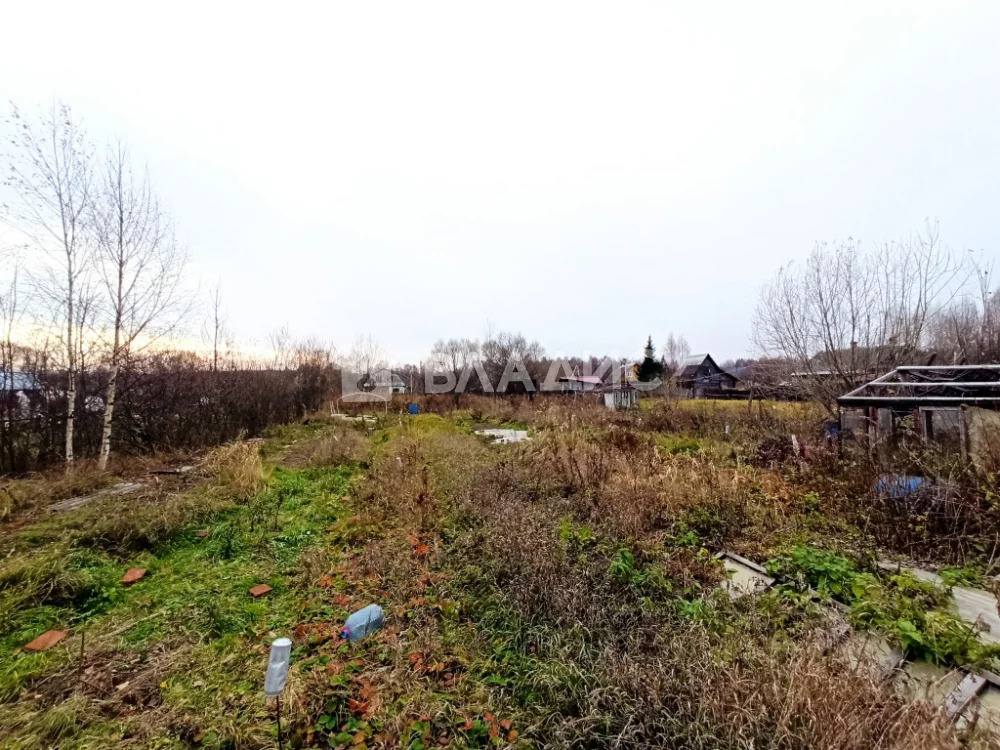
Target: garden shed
954, 406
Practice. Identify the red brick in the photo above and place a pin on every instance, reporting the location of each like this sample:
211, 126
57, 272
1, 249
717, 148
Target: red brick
133, 575
46, 640
259, 590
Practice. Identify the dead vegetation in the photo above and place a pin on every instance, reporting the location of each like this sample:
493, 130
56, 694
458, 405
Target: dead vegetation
559, 592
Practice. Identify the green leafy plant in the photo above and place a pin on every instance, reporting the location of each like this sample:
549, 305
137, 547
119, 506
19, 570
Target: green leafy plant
828, 573
909, 610
622, 568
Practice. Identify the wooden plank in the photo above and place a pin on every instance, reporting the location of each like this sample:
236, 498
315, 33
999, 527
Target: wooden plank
963, 693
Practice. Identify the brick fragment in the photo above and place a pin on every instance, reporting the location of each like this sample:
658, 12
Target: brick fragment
133, 575
46, 640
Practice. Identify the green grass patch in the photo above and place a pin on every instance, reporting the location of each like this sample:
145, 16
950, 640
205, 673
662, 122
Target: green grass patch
911, 612
197, 587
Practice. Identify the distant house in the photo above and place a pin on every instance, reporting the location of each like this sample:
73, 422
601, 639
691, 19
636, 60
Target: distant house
19, 392
701, 377
14, 382
579, 383
385, 379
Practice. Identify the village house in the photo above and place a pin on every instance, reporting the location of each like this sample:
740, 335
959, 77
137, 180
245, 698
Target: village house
700, 377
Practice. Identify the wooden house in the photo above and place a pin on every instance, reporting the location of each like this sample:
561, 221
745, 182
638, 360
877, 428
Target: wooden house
700, 377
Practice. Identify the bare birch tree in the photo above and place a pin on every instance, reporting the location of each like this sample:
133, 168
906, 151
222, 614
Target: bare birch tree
969, 331
215, 331
850, 314
453, 357
48, 168
10, 315
140, 269
366, 357
675, 351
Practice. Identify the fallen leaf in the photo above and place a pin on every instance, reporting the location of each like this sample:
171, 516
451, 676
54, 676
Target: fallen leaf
325, 581
358, 707
513, 735
359, 738
506, 724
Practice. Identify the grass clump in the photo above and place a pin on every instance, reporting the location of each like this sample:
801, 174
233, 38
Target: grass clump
680, 445
238, 470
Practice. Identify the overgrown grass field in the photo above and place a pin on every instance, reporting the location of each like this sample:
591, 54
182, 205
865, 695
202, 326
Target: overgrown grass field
560, 592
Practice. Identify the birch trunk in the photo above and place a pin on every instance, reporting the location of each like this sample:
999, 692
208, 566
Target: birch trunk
71, 375
109, 410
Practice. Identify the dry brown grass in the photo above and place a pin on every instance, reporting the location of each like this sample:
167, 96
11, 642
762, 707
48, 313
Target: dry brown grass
20, 496
343, 445
770, 697
526, 536
237, 469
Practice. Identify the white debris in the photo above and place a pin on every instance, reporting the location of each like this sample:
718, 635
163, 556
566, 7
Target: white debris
505, 436
744, 576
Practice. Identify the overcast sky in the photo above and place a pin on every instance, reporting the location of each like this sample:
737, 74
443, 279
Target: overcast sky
585, 173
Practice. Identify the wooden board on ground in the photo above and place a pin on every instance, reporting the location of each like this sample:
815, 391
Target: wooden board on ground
124, 488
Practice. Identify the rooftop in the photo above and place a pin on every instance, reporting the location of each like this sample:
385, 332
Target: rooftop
930, 385
18, 381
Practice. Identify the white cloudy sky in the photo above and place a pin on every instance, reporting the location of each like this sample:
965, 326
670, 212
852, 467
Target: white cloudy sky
588, 173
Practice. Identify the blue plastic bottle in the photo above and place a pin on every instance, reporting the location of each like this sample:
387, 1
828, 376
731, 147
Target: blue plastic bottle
363, 622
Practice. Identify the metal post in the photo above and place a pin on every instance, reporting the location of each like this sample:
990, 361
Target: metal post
277, 704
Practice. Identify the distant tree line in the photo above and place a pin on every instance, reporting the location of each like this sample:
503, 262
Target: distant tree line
853, 312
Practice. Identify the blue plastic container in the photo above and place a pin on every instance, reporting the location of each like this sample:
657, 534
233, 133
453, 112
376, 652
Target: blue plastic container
364, 622
414, 408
